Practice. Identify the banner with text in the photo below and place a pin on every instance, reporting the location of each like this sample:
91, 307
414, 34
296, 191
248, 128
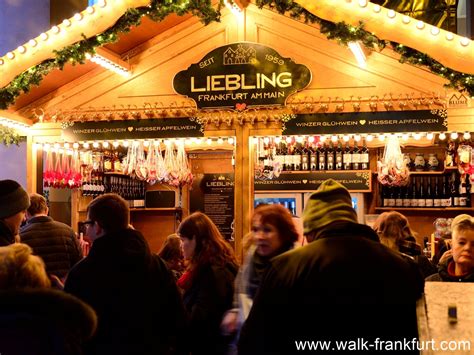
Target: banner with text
354, 181
134, 129
368, 122
241, 75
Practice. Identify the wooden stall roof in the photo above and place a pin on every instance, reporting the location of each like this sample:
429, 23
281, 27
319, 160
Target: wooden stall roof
149, 36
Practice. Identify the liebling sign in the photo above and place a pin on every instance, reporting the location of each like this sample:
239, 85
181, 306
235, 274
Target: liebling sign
241, 75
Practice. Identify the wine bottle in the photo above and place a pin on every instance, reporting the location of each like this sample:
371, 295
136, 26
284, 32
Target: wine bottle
356, 157
429, 200
347, 158
297, 157
364, 157
445, 190
462, 192
398, 197
421, 194
454, 187
338, 157
313, 158
322, 157
414, 194
437, 200
468, 191
407, 197
330, 157
290, 165
391, 197
305, 152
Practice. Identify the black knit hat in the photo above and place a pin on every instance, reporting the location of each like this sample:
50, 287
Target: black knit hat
13, 198
330, 202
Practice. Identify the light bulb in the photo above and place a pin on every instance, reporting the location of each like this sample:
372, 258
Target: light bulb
417, 136
464, 41
434, 31
311, 139
420, 25
95, 145
377, 8
334, 139
86, 145
369, 138
75, 145
277, 140
405, 136
146, 143
299, 139
209, 141
429, 136
346, 138
266, 140
382, 137
454, 135
466, 135
288, 139
442, 136
105, 144
391, 14
115, 144
220, 140
357, 138
406, 19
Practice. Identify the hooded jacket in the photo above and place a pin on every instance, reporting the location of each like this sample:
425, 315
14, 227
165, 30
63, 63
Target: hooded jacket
54, 242
134, 294
444, 275
44, 322
6, 235
342, 286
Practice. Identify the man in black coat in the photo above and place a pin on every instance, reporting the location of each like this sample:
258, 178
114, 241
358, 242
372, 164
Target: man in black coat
133, 293
53, 241
14, 201
343, 286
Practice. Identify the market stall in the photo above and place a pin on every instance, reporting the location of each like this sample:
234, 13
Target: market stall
246, 103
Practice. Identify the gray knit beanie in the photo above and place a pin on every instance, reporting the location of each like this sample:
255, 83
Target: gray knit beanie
330, 202
13, 198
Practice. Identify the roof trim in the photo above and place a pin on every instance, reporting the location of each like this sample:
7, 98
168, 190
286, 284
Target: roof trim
430, 39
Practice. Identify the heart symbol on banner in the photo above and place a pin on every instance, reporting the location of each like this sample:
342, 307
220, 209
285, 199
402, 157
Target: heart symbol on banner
362, 122
305, 181
240, 107
130, 129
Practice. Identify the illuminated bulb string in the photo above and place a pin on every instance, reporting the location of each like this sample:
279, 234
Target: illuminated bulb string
110, 65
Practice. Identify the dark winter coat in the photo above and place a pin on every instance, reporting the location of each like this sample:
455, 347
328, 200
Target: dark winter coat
409, 247
444, 275
54, 242
43, 322
6, 235
206, 301
133, 293
343, 286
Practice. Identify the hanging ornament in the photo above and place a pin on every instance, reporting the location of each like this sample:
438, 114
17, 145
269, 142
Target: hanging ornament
392, 169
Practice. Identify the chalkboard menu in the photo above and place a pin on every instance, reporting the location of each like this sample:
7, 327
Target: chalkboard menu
213, 194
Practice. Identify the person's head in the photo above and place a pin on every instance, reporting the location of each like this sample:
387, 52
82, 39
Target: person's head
19, 268
14, 201
463, 241
202, 241
171, 251
273, 230
108, 213
331, 202
38, 206
392, 228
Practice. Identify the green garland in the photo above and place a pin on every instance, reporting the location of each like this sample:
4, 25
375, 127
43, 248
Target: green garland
159, 9
9, 136
345, 33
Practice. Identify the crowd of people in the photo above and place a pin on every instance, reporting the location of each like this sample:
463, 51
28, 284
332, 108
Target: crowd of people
349, 281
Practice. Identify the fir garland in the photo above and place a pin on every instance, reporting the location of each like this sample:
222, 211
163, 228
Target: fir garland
9, 136
159, 9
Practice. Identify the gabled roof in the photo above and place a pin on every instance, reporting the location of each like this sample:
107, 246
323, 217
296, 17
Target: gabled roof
384, 23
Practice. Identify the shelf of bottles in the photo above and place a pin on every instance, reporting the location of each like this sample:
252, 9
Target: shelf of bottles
102, 173
435, 184
292, 154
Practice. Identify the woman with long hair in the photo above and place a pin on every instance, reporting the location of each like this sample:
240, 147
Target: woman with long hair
207, 284
394, 231
273, 232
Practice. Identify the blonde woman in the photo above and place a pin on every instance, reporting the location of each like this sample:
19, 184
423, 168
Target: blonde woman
457, 264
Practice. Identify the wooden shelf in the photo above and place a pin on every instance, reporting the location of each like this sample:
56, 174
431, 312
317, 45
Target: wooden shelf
419, 209
168, 209
324, 171
441, 172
